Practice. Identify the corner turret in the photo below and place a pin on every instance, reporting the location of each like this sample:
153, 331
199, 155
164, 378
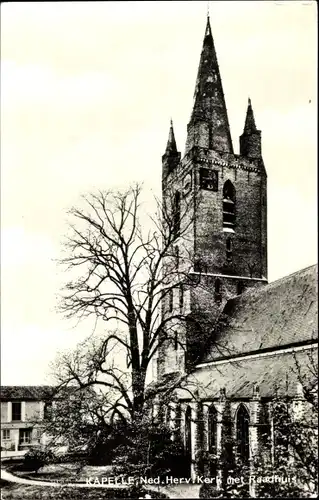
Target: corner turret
171, 157
250, 140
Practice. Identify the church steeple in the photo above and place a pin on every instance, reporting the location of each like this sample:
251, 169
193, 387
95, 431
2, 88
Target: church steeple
250, 140
208, 126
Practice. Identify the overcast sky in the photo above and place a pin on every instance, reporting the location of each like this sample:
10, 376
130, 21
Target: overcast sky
87, 92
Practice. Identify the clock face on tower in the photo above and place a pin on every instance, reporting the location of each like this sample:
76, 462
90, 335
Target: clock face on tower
187, 184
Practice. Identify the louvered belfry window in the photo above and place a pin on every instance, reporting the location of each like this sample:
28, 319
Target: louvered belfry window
229, 206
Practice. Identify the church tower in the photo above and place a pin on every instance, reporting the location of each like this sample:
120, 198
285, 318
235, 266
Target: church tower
227, 237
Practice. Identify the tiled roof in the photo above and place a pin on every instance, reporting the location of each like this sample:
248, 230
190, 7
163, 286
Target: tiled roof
26, 392
273, 373
38, 392
278, 314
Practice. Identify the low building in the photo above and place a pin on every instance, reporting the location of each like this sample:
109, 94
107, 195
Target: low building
23, 409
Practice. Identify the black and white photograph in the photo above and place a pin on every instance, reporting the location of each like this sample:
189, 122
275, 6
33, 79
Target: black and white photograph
159, 298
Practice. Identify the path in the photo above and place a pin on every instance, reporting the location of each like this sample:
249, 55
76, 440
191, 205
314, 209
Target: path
7, 476
175, 491
181, 490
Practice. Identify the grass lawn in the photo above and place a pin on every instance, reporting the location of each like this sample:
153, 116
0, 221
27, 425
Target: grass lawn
11, 491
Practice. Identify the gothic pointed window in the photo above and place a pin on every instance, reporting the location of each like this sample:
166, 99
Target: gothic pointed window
212, 429
229, 202
242, 431
177, 214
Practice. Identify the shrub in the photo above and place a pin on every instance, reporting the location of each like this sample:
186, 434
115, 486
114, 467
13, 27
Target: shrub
34, 459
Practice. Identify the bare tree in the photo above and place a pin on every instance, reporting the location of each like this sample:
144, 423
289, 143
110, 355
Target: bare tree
123, 270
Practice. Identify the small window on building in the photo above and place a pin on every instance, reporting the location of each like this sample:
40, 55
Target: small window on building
217, 286
242, 427
240, 287
181, 299
209, 179
171, 300
6, 434
25, 436
47, 410
16, 411
177, 214
38, 435
229, 249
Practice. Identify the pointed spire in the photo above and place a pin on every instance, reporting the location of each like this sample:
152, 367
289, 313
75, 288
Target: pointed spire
250, 140
171, 147
208, 31
208, 126
171, 157
250, 125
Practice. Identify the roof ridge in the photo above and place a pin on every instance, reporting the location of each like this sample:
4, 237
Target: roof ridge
257, 290
292, 274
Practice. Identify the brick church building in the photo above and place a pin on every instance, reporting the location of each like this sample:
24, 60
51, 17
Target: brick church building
246, 336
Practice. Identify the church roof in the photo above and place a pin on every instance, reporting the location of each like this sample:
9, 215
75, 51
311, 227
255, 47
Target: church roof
279, 373
277, 315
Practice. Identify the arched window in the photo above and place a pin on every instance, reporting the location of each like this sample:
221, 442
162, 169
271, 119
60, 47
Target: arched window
177, 214
212, 429
240, 287
217, 287
242, 428
229, 202
229, 249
